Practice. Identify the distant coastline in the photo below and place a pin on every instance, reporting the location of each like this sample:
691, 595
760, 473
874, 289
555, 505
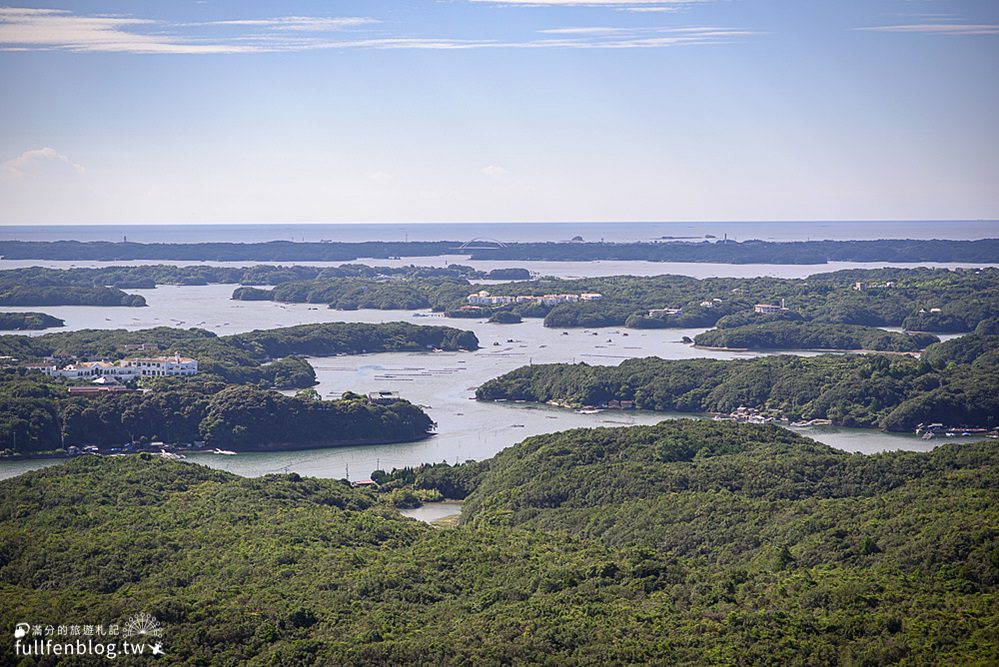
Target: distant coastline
721, 251
508, 232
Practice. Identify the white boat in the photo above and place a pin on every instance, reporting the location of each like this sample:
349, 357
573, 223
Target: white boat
223, 452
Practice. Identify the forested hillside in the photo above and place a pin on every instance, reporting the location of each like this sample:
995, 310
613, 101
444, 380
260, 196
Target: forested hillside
687, 543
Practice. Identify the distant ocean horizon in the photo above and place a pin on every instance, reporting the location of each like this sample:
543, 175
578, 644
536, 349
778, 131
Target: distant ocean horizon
510, 232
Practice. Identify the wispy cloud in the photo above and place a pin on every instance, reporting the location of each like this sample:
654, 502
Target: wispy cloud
299, 23
587, 3
58, 29
594, 30
603, 37
959, 29
23, 29
671, 8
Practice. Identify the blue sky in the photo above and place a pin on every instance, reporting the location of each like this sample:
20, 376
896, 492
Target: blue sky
484, 110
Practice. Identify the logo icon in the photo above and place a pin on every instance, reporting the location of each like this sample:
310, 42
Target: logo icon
142, 625
20, 630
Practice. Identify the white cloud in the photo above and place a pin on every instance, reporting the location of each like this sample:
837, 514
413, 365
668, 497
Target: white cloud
39, 162
60, 29
495, 171
938, 28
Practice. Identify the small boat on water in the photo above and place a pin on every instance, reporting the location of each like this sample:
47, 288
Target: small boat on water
589, 411
223, 452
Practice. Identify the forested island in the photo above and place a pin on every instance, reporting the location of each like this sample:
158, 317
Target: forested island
28, 321
357, 292
683, 543
920, 300
812, 336
39, 286
38, 416
225, 405
934, 300
720, 251
955, 384
267, 358
916, 299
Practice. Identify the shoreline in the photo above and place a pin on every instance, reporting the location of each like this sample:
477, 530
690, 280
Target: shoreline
175, 450
785, 422
821, 350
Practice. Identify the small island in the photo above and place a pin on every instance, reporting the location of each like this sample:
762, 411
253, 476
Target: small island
813, 336
28, 321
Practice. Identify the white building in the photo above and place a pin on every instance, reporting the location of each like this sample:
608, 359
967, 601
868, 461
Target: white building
484, 298
127, 369
160, 366
89, 369
660, 312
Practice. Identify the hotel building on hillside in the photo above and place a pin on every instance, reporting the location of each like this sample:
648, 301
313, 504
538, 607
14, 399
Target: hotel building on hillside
126, 369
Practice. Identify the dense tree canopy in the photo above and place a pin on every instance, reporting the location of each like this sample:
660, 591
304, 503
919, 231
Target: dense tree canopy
687, 543
37, 416
789, 335
916, 299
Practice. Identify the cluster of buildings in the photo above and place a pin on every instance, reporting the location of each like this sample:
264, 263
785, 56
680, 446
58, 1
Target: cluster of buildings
125, 370
484, 298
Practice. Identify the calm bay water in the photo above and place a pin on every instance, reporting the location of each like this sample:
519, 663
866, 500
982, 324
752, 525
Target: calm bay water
445, 382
